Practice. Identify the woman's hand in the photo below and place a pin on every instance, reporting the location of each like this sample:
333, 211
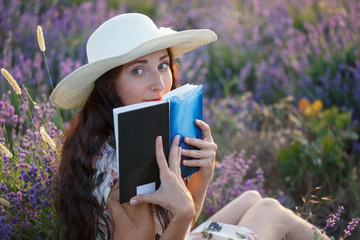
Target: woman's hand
172, 193
205, 156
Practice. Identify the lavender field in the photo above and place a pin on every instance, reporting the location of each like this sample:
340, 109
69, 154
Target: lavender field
282, 94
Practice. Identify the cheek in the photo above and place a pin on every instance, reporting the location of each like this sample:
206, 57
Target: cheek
125, 92
168, 83
130, 92
118, 89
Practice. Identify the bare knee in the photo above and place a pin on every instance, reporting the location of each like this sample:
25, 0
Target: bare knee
268, 219
250, 196
271, 205
233, 212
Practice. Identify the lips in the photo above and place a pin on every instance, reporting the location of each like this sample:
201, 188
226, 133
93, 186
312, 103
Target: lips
154, 99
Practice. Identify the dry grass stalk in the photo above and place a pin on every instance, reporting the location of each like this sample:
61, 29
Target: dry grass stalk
11, 80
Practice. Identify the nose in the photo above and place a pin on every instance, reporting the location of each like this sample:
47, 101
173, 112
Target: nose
157, 82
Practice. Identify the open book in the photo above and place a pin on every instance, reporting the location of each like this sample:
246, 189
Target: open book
136, 128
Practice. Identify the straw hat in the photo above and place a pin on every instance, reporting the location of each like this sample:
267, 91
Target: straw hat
120, 40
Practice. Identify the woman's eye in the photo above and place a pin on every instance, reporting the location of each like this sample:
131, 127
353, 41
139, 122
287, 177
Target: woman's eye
137, 71
163, 66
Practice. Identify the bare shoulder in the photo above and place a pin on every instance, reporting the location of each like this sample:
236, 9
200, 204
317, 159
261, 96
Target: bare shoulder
129, 222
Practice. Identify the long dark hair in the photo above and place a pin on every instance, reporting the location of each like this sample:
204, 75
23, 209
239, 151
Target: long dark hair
80, 212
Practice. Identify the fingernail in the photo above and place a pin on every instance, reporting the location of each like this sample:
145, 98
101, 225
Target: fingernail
186, 139
184, 162
133, 202
160, 138
183, 150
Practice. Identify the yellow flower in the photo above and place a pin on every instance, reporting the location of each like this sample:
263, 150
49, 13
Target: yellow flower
321, 4
303, 105
47, 138
40, 37
309, 111
6, 151
4, 202
317, 106
11, 80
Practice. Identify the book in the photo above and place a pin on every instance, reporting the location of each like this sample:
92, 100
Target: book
185, 106
136, 127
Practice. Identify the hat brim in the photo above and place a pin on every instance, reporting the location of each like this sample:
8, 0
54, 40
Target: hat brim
73, 90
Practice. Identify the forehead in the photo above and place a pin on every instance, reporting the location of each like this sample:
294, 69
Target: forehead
158, 55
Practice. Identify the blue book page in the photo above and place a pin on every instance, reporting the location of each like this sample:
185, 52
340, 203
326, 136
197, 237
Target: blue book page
185, 107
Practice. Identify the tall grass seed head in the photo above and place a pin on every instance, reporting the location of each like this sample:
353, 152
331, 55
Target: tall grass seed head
6, 151
40, 37
11, 80
46, 138
4, 202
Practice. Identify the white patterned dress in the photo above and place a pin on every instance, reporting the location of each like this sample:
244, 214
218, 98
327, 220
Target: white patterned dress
221, 231
106, 176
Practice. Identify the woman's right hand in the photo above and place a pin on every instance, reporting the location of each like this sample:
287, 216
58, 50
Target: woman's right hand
172, 193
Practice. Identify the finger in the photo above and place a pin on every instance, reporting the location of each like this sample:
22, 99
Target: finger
160, 156
196, 153
205, 128
200, 143
144, 198
197, 163
174, 154
178, 163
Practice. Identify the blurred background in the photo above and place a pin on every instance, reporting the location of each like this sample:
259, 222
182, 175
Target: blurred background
282, 96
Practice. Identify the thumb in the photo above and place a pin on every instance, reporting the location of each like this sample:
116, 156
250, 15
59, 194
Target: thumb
143, 198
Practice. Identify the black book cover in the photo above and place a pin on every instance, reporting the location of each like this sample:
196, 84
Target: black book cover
137, 131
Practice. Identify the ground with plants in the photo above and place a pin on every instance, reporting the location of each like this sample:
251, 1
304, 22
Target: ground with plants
282, 95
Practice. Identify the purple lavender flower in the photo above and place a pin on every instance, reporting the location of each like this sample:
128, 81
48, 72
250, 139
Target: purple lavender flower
351, 226
230, 180
334, 217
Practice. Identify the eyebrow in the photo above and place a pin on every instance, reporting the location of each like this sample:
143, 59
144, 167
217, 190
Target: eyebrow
163, 57
146, 61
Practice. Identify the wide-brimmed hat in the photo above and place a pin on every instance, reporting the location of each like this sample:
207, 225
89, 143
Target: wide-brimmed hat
120, 40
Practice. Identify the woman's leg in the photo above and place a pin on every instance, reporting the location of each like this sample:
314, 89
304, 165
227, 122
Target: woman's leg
272, 221
234, 211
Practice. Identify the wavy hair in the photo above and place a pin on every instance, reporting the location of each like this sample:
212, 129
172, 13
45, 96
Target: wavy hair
80, 213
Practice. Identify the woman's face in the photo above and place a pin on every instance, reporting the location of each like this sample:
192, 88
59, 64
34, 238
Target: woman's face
146, 78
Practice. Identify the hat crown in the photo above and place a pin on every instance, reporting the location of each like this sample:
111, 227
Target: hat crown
119, 35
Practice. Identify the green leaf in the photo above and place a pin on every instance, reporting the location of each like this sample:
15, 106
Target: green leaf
283, 155
322, 133
296, 148
330, 114
328, 143
343, 120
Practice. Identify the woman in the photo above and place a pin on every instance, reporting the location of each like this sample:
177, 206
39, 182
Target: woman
131, 60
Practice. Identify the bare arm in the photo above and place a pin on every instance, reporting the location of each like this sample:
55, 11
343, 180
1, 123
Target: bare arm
132, 222
129, 222
205, 159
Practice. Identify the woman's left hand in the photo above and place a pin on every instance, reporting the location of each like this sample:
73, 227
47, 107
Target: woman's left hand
205, 156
